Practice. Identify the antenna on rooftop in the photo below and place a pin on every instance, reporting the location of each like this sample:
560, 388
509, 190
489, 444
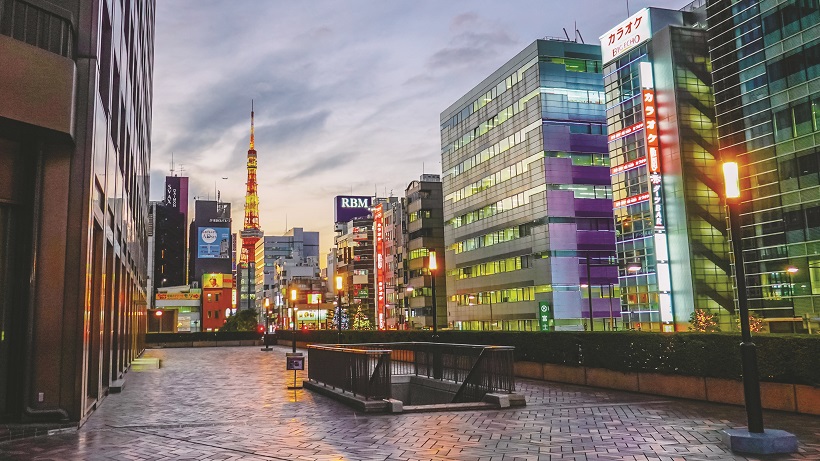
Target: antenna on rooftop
578, 33
566, 33
172, 164
627, 8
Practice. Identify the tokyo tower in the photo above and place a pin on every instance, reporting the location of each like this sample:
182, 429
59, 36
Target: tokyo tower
251, 233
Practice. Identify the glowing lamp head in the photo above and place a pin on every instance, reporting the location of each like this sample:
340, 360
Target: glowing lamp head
267, 302
792, 270
731, 176
158, 313
339, 282
433, 265
293, 295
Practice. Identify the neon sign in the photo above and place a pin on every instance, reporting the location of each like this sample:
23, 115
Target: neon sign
628, 130
631, 200
627, 166
381, 269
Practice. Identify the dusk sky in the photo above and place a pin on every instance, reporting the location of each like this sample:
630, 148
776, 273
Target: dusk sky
347, 94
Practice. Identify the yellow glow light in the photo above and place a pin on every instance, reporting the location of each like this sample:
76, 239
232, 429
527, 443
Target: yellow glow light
731, 176
433, 265
338, 282
293, 295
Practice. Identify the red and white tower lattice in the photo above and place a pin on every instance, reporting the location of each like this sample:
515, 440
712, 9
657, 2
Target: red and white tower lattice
251, 233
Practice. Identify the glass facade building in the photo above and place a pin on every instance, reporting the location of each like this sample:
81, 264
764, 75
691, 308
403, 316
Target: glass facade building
766, 72
670, 225
75, 150
528, 233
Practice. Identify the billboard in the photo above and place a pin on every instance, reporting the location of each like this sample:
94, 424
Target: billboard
626, 35
212, 281
213, 242
351, 206
381, 265
176, 193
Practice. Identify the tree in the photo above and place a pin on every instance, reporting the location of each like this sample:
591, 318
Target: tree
703, 321
360, 320
244, 320
335, 320
755, 323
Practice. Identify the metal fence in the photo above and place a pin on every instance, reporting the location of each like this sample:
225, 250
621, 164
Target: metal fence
364, 372
479, 369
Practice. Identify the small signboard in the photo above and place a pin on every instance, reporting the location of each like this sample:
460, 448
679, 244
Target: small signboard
295, 361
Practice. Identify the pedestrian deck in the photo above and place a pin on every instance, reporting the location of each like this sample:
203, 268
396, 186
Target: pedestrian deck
232, 403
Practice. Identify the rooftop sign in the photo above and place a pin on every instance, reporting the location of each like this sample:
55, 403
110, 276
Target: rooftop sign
626, 35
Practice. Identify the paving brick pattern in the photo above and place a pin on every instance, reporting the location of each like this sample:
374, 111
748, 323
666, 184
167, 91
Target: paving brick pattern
232, 403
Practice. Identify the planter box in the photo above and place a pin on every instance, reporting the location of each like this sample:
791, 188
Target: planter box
808, 399
724, 391
688, 387
564, 374
531, 370
777, 396
609, 379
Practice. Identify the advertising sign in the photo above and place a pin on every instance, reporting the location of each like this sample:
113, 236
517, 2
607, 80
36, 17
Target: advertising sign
213, 242
381, 269
177, 296
626, 35
350, 206
212, 281
543, 316
176, 193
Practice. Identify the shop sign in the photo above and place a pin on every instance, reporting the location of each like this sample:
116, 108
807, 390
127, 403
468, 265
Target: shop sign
626, 35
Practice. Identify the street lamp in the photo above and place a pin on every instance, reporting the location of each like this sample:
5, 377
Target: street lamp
293, 303
433, 266
339, 307
755, 439
589, 293
267, 325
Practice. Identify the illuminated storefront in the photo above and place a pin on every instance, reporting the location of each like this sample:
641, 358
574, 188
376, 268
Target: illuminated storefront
672, 244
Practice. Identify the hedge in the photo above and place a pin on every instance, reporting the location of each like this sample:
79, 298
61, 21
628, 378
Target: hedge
789, 359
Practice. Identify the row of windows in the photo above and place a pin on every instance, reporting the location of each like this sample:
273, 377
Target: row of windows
510, 295
798, 119
502, 86
493, 209
421, 214
596, 224
585, 191
492, 267
505, 174
795, 67
580, 96
790, 18
496, 149
502, 116
419, 253
578, 65
500, 236
581, 159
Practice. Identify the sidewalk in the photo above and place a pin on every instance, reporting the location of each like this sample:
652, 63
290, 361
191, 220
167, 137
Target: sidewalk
232, 403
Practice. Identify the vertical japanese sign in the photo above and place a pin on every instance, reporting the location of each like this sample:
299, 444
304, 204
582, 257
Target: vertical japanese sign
381, 269
655, 174
543, 316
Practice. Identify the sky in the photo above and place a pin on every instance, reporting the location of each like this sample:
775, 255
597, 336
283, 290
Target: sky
347, 94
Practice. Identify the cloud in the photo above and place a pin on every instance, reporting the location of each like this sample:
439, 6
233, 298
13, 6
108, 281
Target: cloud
321, 165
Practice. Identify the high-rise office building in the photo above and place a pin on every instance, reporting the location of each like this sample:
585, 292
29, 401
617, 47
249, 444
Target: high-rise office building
527, 197
670, 224
766, 74
75, 148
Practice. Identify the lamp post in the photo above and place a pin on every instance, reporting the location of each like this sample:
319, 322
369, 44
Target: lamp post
754, 439
433, 266
293, 304
751, 383
791, 270
339, 307
267, 325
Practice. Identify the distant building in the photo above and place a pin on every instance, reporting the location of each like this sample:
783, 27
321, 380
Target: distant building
424, 232
527, 196
210, 240
289, 256
167, 236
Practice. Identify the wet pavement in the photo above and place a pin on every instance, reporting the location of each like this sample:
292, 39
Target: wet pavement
232, 403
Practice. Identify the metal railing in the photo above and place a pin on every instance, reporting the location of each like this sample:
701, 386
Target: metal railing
479, 369
364, 372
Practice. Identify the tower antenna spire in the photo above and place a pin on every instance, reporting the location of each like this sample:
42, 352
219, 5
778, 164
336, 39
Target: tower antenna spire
251, 232
251, 148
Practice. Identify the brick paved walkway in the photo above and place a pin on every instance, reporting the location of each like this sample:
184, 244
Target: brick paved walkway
232, 403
